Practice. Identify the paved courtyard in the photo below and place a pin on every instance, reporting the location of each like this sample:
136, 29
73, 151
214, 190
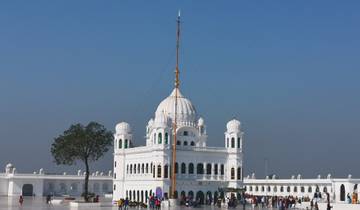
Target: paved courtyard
11, 203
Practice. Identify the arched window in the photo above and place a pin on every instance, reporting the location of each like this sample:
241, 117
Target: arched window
130, 168
275, 189
159, 171
262, 188
153, 170
325, 190
183, 168
309, 189
138, 168
232, 175
185, 143
120, 143
142, 168
222, 170
295, 189
342, 193
159, 138
186, 133
208, 169
127, 169
288, 189
191, 168
238, 173
232, 142
268, 189
166, 171
147, 168
302, 189
281, 189
238, 142
126, 144
192, 143
256, 188
166, 138
176, 168
200, 168
134, 168
216, 170
178, 143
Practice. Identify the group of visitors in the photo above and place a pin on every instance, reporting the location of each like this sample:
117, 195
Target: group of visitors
274, 201
123, 204
154, 203
189, 201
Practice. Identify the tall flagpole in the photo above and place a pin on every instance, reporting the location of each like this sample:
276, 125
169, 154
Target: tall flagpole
177, 83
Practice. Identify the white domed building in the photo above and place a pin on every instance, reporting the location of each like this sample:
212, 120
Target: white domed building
200, 169
176, 144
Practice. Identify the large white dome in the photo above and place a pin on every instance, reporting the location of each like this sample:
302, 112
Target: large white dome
186, 113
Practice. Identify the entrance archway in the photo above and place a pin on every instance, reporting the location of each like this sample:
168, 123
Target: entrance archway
27, 190
342, 193
200, 197
191, 195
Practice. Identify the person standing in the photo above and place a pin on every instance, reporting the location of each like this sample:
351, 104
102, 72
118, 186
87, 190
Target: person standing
120, 204
316, 206
157, 203
21, 200
126, 203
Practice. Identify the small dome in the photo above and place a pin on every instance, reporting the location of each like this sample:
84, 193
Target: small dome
151, 122
233, 125
201, 122
161, 120
123, 128
186, 112
9, 165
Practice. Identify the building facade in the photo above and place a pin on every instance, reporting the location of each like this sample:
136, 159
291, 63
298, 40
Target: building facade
200, 169
42, 184
338, 188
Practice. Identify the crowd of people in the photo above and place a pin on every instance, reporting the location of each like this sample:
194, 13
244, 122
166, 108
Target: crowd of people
153, 203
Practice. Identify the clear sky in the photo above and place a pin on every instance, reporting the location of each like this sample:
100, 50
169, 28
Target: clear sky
288, 70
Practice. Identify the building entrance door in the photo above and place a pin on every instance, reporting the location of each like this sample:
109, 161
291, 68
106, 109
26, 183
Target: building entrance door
27, 190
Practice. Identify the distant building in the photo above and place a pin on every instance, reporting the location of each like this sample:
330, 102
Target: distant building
297, 186
42, 184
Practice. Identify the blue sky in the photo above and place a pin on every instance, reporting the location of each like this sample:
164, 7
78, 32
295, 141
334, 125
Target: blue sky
288, 70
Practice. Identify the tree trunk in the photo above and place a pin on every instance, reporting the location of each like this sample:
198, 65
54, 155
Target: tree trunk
86, 187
